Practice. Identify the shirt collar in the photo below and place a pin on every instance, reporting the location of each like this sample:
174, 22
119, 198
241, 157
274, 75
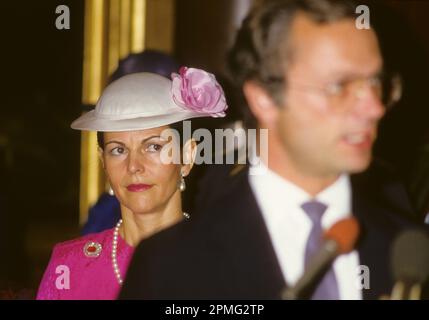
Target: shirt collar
273, 188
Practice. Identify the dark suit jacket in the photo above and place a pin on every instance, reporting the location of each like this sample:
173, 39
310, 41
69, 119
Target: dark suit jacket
225, 252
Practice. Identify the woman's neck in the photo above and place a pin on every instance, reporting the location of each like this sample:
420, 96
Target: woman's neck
138, 226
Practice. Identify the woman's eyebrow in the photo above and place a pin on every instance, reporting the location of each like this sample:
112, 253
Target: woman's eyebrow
123, 144
114, 141
151, 137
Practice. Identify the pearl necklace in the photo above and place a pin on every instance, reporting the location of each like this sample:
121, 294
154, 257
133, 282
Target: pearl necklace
115, 265
114, 249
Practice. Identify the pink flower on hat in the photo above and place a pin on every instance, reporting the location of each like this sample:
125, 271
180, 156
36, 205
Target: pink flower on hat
198, 91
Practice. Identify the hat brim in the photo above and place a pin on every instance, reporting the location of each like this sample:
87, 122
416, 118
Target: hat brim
90, 122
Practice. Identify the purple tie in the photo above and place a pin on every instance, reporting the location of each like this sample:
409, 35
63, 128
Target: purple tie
328, 286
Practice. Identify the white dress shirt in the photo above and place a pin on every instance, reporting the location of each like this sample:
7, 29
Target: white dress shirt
289, 226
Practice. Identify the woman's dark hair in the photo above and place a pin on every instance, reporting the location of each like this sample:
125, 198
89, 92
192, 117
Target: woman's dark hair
100, 139
261, 51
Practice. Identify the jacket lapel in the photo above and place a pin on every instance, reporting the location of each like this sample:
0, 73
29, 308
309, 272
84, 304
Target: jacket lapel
375, 205
247, 245
373, 248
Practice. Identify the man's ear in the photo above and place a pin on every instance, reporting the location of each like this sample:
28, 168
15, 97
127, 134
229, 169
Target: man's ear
260, 103
100, 156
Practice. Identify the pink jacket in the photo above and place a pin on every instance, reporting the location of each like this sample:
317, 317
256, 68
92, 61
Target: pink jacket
75, 272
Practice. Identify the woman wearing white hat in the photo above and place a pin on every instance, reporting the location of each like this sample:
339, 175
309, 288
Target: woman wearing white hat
131, 119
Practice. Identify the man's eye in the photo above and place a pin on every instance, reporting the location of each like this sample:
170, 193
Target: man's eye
375, 81
154, 147
117, 151
336, 88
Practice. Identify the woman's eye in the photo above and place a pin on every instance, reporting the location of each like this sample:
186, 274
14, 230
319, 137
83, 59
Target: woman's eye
154, 147
117, 151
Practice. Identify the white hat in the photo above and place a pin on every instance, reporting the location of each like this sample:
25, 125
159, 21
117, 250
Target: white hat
147, 100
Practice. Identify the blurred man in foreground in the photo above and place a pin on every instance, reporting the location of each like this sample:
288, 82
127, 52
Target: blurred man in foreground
317, 83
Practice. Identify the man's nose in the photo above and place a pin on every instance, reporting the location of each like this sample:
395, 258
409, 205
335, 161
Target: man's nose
369, 103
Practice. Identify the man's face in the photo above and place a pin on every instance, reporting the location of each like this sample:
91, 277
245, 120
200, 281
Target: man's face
327, 135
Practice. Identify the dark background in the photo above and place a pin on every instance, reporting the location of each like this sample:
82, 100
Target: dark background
41, 79
39, 160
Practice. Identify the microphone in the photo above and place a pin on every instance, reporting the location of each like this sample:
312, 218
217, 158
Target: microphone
339, 239
410, 264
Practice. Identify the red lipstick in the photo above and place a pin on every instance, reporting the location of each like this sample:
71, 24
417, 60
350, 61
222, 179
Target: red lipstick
138, 187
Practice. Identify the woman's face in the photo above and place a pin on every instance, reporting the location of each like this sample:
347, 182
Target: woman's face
132, 162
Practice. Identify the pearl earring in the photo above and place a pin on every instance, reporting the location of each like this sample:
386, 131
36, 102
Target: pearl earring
111, 192
182, 185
